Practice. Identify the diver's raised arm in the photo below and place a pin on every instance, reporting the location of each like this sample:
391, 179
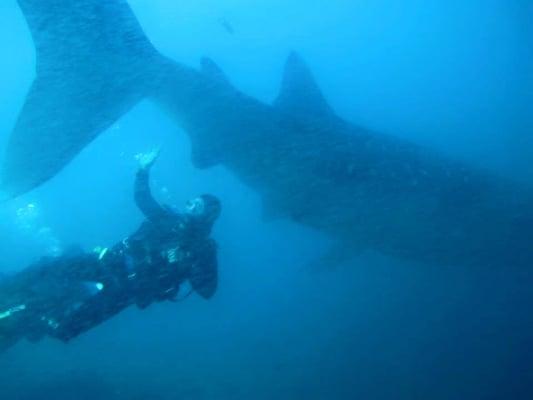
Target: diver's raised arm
142, 193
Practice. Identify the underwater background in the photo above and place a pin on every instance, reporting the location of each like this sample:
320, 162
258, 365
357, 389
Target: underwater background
452, 75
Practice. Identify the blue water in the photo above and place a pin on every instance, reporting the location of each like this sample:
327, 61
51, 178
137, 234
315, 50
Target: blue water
451, 75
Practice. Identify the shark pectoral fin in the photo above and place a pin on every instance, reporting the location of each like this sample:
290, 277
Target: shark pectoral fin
271, 212
200, 161
204, 156
337, 255
300, 94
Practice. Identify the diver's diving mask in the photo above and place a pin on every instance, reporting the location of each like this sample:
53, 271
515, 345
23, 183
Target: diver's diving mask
195, 207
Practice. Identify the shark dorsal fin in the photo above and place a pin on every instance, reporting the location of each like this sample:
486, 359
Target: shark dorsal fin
212, 70
300, 93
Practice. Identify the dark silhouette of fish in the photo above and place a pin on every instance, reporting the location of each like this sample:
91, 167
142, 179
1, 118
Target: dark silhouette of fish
364, 189
228, 27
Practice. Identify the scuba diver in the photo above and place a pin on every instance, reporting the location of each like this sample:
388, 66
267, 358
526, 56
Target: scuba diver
62, 297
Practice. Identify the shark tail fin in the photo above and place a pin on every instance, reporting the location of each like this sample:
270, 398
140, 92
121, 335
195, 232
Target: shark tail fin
93, 64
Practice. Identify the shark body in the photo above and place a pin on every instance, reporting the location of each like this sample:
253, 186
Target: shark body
364, 189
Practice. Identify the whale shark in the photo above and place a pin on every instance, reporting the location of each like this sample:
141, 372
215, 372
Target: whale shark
366, 190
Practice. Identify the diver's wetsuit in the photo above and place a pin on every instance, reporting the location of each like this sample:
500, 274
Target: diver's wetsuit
65, 296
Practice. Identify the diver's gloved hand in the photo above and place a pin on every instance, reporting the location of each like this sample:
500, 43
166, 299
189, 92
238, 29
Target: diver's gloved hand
147, 160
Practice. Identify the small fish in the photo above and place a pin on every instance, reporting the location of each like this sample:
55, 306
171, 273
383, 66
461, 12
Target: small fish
228, 27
